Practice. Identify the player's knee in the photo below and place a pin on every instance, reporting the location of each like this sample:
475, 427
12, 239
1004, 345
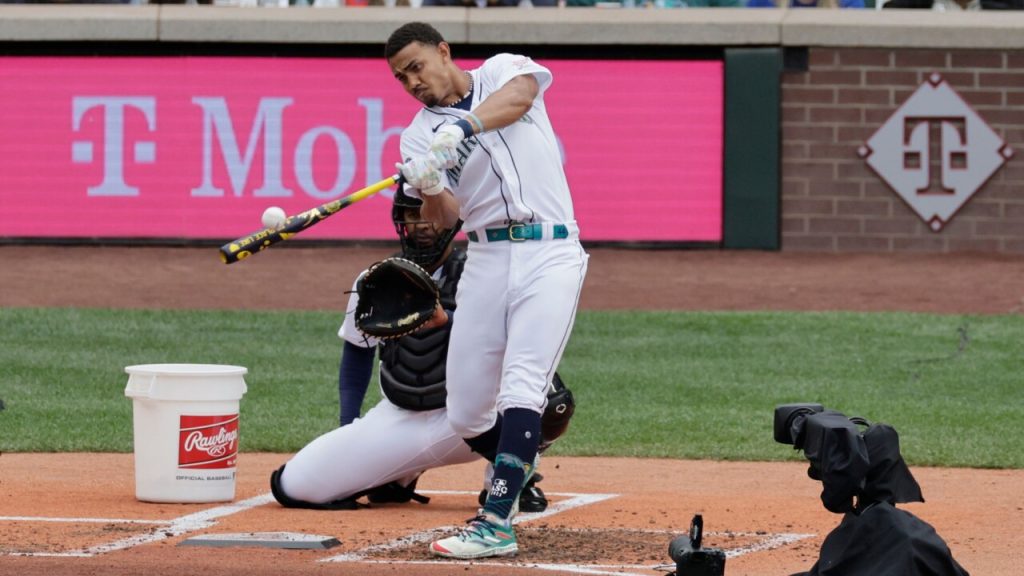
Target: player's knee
468, 425
278, 491
295, 501
294, 496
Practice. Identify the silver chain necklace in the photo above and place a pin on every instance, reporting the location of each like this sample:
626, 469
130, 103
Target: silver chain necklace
468, 90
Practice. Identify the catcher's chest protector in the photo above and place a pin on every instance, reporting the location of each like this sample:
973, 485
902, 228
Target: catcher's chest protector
412, 368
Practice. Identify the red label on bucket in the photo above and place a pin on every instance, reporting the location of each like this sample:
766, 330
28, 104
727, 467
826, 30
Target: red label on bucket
208, 441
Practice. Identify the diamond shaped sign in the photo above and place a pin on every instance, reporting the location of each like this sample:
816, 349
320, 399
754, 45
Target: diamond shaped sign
935, 152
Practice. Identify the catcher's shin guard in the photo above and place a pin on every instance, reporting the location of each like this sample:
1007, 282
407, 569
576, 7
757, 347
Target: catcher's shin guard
555, 419
396, 493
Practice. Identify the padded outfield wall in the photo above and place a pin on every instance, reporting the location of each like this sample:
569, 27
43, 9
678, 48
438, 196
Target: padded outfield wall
809, 130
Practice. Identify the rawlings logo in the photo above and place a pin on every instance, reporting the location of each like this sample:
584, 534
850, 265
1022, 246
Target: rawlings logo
208, 441
215, 446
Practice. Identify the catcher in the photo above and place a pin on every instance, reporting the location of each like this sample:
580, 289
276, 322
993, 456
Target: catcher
403, 308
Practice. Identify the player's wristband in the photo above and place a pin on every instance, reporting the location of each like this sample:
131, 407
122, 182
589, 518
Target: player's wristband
467, 128
479, 124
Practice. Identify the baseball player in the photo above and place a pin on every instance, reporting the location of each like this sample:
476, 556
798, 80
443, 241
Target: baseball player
383, 454
483, 151
433, 250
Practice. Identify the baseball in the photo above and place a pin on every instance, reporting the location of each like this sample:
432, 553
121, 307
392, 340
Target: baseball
274, 217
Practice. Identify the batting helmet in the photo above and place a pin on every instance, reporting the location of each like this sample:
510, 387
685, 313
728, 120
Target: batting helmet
424, 245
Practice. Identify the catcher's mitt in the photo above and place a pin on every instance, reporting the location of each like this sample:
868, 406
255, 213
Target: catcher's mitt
396, 297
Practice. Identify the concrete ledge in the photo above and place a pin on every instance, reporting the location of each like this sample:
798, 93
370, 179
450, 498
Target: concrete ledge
695, 26
904, 29
372, 25
183, 23
539, 26
71, 22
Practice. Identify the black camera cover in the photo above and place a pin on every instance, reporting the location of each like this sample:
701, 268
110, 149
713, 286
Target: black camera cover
864, 477
838, 457
690, 558
789, 421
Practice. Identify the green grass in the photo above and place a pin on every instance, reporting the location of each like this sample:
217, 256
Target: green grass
653, 384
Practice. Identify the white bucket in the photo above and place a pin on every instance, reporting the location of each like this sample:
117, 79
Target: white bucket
186, 430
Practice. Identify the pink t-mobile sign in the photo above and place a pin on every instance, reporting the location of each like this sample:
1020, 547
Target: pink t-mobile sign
197, 147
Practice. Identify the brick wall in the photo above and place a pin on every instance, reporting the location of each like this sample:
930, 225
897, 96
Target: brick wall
832, 201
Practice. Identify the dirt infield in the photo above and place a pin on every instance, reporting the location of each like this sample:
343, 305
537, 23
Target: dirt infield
74, 514
314, 279
77, 514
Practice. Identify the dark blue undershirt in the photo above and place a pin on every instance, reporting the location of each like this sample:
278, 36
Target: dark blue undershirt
353, 379
465, 103
354, 375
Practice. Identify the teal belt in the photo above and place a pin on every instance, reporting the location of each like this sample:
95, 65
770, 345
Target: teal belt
518, 232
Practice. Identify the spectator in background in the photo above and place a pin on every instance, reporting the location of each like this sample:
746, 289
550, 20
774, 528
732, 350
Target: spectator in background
713, 3
661, 3
827, 3
956, 5
936, 5
808, 3
491, 3
73, 2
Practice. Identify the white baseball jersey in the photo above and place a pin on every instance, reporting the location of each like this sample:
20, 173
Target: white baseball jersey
348, 331
520, 297
512, 174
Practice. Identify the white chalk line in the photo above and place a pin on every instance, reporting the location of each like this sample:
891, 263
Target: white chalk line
205, 519
573, 501
80, 520
770, 542
767, 542
170, 528
576, 568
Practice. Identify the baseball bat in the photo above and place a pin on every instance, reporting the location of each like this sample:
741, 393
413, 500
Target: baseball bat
246, 246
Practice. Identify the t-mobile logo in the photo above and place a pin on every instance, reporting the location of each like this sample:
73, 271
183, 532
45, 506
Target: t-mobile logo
935, 152
933, 145
113, 110
220, 142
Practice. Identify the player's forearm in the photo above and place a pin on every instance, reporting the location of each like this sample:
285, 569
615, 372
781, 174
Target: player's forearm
508, 104
441, 209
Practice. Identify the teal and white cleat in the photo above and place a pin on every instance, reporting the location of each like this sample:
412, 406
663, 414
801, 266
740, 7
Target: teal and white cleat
485, 536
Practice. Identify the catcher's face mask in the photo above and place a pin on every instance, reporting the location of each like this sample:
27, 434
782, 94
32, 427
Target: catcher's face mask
422, 242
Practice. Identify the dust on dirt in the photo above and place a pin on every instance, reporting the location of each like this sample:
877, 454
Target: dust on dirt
316, 278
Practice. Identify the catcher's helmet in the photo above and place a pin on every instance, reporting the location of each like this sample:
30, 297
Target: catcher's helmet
427, 250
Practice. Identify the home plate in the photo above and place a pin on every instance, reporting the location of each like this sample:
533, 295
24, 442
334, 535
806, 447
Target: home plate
292, 540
